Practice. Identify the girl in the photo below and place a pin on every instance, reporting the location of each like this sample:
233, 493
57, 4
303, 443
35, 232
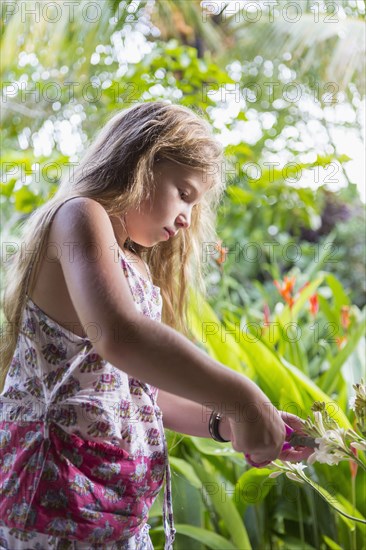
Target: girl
84, 351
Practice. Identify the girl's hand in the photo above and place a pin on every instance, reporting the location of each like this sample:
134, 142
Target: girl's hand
294, 454
262, 438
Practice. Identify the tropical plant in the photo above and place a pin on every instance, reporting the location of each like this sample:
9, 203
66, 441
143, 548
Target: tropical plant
242, 505
295, 325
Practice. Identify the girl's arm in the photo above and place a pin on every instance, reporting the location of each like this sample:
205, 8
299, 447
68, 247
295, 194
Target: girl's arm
187, 417
146, 349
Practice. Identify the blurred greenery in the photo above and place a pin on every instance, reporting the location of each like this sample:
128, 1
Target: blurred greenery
277, 94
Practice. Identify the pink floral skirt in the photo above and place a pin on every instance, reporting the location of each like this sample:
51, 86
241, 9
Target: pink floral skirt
70, 489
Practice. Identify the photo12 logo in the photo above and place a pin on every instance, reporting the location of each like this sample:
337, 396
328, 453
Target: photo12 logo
268, 11
69, 11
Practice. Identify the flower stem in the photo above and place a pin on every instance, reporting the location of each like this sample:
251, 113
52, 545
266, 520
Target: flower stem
361, 464
353, 533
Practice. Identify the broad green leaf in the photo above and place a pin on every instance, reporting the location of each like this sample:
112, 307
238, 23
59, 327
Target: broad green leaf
271, 374
316, 394
332, 545
340, 297
224, 506
206, 328
252, 487
361, 524
328, 311
209, 446
329, 380
183, 467
294, 543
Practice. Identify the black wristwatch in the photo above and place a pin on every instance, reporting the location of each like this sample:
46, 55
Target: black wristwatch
213, 427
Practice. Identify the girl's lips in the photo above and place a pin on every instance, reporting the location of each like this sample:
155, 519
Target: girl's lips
167, 233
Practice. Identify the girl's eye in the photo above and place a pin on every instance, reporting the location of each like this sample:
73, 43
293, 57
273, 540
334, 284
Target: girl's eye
183, 195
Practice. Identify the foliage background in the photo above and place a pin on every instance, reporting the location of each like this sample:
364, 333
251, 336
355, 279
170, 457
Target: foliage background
276, 92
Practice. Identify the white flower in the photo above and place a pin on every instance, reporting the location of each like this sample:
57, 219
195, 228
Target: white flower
327, 453
294, 477
333, 437
312, 458
360, 445
318, 421
275, 474
299, 467
352, 402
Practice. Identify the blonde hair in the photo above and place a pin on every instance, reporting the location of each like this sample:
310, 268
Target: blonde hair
117, 172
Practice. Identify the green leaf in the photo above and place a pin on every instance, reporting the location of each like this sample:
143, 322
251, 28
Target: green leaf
347, 505
329, 379
293, 543
207, 329
6, 189
332, 545
252, 487
208, 446
325, 308
340, 297
26, 200
317, 394
183, 467
238, 195
243, 348
224, 506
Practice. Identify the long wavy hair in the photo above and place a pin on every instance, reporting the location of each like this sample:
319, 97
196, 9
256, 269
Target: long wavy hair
117, 172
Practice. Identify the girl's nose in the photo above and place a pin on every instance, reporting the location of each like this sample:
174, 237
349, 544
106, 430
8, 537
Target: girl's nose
183, 223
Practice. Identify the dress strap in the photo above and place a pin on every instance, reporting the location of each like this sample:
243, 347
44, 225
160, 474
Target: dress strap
168, 517
130, 264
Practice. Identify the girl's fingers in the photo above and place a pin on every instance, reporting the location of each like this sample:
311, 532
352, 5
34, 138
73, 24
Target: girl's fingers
292, 420
297, 454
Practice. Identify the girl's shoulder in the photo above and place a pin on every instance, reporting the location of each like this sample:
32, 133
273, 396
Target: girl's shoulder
85, 243
66, 214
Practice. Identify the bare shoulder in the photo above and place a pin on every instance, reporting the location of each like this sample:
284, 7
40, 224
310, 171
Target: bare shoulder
89, 258
78, 219
70, 211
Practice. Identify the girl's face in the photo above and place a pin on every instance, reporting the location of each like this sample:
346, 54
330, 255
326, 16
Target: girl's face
178, 189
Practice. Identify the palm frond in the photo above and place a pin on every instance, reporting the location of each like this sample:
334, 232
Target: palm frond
337, 50
56, 42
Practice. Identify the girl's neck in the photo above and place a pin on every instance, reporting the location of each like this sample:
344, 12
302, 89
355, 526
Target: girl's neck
129, 246
121, 235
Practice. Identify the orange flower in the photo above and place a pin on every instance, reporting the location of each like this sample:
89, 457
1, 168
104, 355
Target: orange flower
341, 341
266, 312
286, 289
223, 250
345, 318
314, 304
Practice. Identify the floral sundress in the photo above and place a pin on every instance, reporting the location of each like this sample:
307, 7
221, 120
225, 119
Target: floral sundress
83, 453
